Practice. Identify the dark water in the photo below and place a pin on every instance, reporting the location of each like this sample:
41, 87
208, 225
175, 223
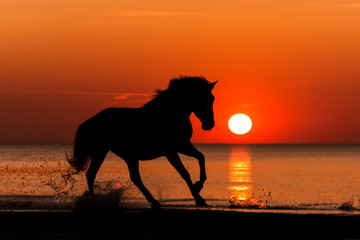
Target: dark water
323, 178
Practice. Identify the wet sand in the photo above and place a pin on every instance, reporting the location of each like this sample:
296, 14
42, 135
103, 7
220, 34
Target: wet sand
175, 224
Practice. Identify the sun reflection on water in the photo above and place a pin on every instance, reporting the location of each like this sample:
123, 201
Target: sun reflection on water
240, 172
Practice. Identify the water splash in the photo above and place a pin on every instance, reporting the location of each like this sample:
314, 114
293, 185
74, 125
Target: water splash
350, 205
62, 182
109, 196
252, 202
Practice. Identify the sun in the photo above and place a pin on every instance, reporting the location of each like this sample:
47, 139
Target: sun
240, 123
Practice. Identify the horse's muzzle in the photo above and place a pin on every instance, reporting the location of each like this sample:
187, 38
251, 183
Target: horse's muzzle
208, 126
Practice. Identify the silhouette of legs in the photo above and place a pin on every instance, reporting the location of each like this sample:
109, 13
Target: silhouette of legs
175, 160
97, 158
191, 151
133, 166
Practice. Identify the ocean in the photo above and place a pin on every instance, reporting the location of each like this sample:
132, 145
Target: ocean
281, 178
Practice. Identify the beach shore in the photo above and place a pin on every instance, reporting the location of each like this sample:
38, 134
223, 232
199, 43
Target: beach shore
176, 224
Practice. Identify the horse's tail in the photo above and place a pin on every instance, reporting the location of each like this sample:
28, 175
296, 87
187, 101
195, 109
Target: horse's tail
81, 158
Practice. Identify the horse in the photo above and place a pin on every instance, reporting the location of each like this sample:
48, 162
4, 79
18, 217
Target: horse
162, 127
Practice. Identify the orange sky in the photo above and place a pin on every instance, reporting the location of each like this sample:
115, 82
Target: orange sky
292, 66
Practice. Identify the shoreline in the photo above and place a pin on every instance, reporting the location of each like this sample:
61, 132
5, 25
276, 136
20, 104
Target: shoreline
175, 224
114, 202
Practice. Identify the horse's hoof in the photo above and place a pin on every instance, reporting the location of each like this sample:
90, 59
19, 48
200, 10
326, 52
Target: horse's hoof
155, 205
88, 194
201, 202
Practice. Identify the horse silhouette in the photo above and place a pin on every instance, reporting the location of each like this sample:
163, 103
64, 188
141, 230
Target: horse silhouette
161, 127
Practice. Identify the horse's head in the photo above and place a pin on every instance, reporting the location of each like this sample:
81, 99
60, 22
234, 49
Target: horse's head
203, 107
190, 94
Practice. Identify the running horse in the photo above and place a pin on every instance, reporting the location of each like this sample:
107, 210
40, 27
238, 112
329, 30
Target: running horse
161, 127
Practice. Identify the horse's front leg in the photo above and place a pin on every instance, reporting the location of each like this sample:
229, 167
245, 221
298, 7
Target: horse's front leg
175, 160
191, 151
200, 184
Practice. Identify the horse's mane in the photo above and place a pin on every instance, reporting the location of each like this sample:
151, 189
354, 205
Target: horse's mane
183, 84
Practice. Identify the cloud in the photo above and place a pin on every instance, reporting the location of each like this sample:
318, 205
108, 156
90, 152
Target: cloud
116, 95
144, 13
125, 96
249, 105
349, 5
315, 4
42, 92
341, 5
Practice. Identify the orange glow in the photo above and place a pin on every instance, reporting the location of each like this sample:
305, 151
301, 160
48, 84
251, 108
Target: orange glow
290, 65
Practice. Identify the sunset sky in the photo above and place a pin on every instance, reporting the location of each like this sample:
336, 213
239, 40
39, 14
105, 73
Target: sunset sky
292, 66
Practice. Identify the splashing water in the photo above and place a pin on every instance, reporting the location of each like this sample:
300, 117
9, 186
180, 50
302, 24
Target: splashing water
251, 202
62, 181
65, 186
107, 193
108, 196
351, 205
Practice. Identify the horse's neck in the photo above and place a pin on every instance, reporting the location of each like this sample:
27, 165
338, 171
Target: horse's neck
168, 106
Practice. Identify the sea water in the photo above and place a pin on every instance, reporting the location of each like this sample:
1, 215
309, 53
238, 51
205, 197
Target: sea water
241, 177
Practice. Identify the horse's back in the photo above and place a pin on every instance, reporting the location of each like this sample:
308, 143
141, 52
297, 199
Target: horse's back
133, 132
112, 121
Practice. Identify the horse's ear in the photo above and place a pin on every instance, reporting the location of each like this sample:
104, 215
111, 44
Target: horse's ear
212, 85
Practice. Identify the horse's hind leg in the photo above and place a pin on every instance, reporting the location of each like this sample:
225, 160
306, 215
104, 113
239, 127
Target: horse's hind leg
133, 166
97, 158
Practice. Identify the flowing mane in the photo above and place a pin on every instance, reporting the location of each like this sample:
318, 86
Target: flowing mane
183, 85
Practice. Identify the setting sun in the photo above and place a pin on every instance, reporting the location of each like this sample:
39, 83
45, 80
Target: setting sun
240, 123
